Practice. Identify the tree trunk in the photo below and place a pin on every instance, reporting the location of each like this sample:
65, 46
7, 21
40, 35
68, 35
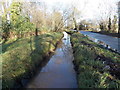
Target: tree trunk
36, 31
75, 23
109, 25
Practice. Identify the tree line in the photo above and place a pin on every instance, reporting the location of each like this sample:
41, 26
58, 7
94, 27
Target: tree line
24, 19
21, 19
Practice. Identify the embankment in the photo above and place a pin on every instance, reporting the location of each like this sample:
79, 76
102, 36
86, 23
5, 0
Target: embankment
96, 66
21, 58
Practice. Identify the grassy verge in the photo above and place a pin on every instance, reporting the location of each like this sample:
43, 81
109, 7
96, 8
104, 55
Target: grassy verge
21, 57
96, 67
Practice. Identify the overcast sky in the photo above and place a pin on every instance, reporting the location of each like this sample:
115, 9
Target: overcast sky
90, 9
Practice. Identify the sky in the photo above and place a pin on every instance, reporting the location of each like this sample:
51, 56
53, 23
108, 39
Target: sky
90, 9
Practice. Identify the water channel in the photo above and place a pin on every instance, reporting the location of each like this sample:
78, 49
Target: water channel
59, 71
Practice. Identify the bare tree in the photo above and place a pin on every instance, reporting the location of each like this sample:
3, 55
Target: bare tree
36, 15
107, 17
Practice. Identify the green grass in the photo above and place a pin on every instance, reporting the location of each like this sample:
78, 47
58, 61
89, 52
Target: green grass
91, 72
20, 57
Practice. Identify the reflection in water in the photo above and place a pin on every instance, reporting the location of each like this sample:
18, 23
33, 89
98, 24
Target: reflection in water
59, 72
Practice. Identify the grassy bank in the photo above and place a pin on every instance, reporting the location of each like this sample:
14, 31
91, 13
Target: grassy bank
21, 57
96, 67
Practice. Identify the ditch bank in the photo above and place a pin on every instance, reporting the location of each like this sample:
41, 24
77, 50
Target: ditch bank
96, 66
20, 63
59, 71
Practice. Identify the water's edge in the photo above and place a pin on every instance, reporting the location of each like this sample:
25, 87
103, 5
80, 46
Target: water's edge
59, 71
23, 82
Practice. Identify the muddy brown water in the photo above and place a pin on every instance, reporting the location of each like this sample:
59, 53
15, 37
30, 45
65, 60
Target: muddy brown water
59, 71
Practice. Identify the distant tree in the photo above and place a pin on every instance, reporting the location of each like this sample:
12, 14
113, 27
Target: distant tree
109, 24
85, 25
102, 26
5, 21
57, 20
14, 22
118, 24
38, 16
114, 25
75, 16
19, 21
106, 17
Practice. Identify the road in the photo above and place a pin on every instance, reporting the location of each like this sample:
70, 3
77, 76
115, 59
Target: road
113, 42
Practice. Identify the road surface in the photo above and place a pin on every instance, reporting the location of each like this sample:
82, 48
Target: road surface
113, 42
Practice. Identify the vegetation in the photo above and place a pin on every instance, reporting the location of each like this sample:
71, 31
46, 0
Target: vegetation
107, 21
30, 31
109, 26
96, 66
21, 19
103, 26
21, 57
28, 35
